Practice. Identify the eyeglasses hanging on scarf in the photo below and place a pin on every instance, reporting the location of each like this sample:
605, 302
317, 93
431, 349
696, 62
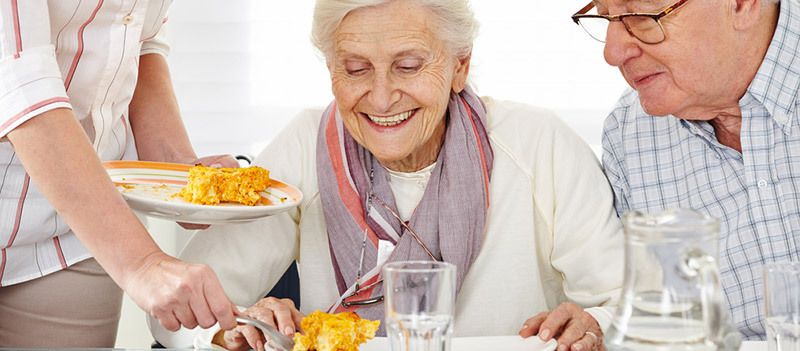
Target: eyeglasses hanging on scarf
372, 198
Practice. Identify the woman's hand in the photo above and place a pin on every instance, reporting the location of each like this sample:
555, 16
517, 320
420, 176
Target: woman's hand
279, 313
574, 328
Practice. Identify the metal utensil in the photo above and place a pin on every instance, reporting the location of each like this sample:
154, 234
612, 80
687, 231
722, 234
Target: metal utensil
275, 339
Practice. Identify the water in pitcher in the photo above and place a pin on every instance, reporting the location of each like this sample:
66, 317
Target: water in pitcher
783, 334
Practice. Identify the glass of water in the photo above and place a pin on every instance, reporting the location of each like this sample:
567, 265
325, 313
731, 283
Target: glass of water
420, 301
782, 298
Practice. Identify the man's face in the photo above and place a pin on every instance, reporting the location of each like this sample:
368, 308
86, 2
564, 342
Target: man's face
688, 74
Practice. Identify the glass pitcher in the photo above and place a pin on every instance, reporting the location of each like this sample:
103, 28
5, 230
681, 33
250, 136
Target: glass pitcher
671, 298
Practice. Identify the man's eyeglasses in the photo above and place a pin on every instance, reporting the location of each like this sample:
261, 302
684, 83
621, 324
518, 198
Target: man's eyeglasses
349, 301
643, 26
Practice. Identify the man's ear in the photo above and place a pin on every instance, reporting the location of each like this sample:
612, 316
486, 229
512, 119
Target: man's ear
746, 13
461, 73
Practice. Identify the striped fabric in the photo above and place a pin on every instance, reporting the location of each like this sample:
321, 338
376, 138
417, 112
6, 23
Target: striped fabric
450, 218
655, 163
78, 54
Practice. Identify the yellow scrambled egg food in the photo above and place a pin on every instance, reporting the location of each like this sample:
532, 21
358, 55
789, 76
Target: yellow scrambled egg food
334, 332
210, 186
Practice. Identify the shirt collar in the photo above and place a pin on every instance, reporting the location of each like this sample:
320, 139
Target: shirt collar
777, 81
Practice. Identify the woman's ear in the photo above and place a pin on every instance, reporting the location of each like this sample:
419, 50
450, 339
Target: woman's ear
461, 73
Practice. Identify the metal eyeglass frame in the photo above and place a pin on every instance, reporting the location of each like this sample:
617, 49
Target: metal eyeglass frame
371, 198
620, 18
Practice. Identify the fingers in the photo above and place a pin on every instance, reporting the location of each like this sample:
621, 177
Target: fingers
217, 161
285, 317
283, 312
253, 337
243, 337
556, 321
168, 321
531, 326
221, 307
193, 226
574, 331
587, 343
202, 313
297, 317
233, 340
581, 331
185, 316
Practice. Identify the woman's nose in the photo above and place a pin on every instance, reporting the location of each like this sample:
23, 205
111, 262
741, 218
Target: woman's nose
384, 93
620, 45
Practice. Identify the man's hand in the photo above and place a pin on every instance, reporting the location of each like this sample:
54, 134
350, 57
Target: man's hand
574, 328
179, 293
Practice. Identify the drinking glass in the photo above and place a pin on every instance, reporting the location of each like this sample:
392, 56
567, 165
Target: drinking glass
420, 301
782, 298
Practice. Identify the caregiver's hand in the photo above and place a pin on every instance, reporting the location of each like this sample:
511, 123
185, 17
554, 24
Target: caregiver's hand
279, 313
216, 161
179, 293
570, 325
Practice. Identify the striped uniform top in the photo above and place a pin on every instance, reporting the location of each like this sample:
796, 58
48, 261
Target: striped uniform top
78, 54
655, 163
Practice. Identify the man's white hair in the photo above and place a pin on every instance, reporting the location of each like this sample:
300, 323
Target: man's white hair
457, 25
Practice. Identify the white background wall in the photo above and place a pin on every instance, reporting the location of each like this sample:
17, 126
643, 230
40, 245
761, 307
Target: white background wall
243, 68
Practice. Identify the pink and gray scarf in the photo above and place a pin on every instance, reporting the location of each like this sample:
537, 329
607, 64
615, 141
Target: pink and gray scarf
450, 218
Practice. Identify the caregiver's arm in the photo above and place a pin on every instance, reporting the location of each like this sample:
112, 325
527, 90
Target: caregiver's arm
156, 121
63, 165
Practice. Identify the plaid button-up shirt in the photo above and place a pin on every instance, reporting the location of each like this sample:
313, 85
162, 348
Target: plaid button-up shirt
655, 163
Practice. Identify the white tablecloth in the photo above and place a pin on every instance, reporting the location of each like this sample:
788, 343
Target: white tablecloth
513, 343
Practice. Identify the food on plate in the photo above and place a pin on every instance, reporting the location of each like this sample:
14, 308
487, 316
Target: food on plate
343, 331
211, 186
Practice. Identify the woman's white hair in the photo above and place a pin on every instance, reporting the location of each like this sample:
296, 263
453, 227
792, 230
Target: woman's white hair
457, 25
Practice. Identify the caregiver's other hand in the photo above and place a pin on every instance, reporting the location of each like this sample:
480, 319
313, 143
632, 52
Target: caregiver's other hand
570, 325
216, 161
279, 313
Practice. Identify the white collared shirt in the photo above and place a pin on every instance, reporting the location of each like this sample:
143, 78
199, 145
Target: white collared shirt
78, 54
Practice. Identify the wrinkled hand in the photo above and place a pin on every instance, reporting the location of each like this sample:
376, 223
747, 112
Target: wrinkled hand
279, 313
216, 161
570, 325
179, 293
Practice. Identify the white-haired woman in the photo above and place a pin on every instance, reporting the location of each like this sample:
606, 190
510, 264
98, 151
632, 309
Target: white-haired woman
504, 191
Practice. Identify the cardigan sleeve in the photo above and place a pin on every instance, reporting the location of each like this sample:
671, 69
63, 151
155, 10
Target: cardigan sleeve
588, 246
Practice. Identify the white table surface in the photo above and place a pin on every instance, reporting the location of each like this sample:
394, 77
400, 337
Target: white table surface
513, 343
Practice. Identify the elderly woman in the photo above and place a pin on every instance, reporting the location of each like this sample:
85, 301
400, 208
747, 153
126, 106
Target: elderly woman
409, 164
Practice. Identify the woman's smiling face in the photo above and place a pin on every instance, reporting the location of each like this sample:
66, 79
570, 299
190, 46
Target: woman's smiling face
392, 77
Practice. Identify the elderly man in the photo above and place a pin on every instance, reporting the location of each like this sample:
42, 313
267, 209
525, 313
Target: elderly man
712, 124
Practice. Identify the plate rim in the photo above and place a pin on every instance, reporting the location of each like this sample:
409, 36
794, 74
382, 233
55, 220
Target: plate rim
294, 194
